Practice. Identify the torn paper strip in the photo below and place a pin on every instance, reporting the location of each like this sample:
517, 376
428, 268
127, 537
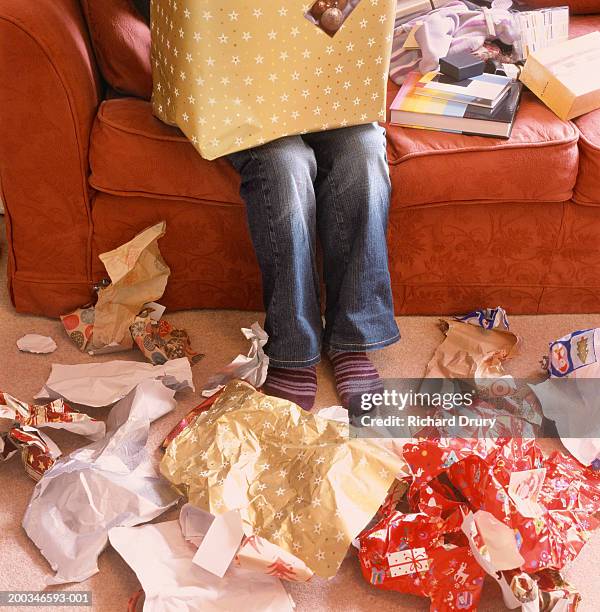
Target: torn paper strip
109, 483
102, 384
19, 430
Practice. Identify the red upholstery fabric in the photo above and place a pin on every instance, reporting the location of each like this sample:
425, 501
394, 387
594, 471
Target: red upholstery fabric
587, 189
578, 7
443, 259
121, 40
474, 222
580, 25
538, 163
134, 153
48, 100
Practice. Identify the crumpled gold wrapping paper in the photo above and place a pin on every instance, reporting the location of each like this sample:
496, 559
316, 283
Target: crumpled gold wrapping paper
234, 75
298, 480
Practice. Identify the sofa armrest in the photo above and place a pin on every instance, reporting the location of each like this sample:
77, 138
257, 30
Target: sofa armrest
48, 100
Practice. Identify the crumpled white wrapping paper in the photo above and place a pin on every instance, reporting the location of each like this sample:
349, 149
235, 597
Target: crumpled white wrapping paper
102, 384
35, 343
251, 367
162, 560
107, 484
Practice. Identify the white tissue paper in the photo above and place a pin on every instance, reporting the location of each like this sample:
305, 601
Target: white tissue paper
109, 483
162, 560
102, 384
251, 367
35, 343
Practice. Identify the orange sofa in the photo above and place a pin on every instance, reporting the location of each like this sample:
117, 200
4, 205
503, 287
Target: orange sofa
474, 221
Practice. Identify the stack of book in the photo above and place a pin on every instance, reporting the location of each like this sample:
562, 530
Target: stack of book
484, 105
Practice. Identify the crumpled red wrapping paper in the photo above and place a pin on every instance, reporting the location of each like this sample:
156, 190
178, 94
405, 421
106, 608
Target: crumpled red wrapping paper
452, 477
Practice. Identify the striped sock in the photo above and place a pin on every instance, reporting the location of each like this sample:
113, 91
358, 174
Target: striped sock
354, 375
298, 385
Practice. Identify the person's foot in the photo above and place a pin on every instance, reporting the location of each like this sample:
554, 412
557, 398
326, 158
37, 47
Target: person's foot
354, 375
298, 385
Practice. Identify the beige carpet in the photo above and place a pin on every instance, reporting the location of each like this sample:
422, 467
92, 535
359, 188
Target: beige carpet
217, 334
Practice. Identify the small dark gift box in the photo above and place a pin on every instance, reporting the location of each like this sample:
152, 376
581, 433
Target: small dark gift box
460, 66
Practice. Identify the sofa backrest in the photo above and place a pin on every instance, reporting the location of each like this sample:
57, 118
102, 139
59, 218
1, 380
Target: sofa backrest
578, 7
120, 36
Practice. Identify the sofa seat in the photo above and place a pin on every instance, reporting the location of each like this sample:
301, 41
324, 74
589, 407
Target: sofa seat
134, 154
537, 164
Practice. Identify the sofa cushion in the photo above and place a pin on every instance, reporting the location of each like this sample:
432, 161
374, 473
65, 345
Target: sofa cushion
537, 164
121, 40
587, 188
133, 153
578, 7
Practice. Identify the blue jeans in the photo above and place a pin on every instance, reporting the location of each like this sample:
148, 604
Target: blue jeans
335, 185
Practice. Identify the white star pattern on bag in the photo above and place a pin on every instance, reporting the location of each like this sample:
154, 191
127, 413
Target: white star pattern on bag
275, 59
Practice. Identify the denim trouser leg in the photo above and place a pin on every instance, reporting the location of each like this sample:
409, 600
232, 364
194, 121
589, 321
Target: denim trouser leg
353, 196
277, 186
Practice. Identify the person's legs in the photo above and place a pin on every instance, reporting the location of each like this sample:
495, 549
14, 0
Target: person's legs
353, 195
277, 186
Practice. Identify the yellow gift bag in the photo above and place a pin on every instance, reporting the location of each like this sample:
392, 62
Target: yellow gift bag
233, 74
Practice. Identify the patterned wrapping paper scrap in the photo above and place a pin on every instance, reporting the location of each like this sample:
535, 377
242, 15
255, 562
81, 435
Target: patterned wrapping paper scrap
19, 423
109, 483
79, 326
575, 355
544, 591
189, 418
454, 478
138, 275
254, 554
298, 480
233, 75
446, 573
476, 475
475, 346
570, 396
159, 341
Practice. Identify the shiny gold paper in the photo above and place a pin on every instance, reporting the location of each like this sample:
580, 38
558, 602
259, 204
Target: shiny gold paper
233, 75
298, 480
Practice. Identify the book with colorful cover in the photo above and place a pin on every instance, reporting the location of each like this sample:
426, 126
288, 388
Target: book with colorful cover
411, 110
484, 90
